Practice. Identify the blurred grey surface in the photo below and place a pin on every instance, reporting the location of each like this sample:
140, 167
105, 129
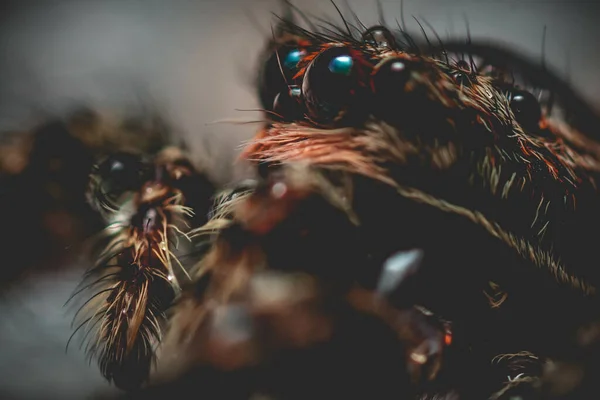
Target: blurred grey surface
196, 59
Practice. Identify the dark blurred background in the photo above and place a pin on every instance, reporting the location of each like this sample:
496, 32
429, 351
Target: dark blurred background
196, 60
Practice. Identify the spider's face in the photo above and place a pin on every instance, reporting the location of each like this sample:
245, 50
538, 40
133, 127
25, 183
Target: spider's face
420, 201
460, 138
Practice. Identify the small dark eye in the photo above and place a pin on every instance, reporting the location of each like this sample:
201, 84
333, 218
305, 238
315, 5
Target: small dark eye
462, 78
390, 77
398, 97
463, 73
380, 37
526, 109
287, 104
278, 72
121, 172
388, 84
331, 84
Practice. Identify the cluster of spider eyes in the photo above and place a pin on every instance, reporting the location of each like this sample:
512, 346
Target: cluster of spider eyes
336, 88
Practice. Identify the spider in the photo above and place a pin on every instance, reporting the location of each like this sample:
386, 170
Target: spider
418, 228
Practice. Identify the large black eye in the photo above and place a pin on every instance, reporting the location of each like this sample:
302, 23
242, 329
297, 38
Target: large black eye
278, 73
526, 109
122, 172
331, 86
379, 37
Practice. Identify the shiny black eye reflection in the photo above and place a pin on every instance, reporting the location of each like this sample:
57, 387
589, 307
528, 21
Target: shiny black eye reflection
122, 172
526, 109
390, 77
388, 84
332, 87
463, 74
287, 104
278, 72
379, 37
